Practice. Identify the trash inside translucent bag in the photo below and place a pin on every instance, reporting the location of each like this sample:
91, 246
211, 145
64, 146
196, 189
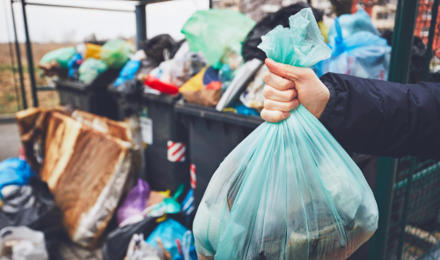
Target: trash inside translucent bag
181, 68
20, 243
138, 249
288, 190
115, 53
357, 48
134, 203
216, 33
90, 69
168, 232
62, 56
253, 97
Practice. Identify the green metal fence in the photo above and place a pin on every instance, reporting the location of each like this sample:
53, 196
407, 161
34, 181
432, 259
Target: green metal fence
407, 190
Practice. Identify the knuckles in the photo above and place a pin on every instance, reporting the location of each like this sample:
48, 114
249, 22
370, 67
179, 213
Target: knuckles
266, 77
277, 82
292, 105
267, 91
290, 94
272, 116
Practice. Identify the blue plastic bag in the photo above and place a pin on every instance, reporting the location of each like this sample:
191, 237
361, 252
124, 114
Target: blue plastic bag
187, 204
288, 190
357, 48
15, 171
128, 72
74, 65
170, 233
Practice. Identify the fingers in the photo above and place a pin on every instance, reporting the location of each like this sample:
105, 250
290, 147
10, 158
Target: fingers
278, 82
275, 111
274, 94
281, 106
287, 71
273, 116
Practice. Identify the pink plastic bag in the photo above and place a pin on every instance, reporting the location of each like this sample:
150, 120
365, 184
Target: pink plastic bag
134, 203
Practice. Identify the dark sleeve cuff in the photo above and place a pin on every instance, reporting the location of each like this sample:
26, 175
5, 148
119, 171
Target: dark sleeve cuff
325, 117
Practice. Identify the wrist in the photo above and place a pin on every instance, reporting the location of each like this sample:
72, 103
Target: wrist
323, 101
329, 105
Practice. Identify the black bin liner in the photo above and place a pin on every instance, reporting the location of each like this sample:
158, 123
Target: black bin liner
281, 17
34, 206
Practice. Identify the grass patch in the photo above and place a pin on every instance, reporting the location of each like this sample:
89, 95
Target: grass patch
4, 67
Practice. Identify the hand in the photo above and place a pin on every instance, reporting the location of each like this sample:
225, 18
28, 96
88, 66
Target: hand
288, 86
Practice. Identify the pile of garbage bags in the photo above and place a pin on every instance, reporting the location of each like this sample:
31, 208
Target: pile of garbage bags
86, 62
358, 48
218, 64
77, 181
151, 224
30, 220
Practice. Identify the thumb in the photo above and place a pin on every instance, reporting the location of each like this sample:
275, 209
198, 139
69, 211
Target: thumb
283, 70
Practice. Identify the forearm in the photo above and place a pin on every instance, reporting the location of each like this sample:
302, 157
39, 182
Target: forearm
383, 118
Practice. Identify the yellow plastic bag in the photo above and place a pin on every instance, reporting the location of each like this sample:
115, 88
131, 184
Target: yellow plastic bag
93, 51
195, 83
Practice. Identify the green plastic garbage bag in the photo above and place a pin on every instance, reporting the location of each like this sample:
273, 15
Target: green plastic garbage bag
62, 56
115, 53
288, 190
90, 70
215, 32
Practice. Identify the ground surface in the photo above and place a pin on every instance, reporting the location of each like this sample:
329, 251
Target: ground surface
9, 140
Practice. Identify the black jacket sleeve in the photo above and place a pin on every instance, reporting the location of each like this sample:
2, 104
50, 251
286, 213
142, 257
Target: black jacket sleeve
383, 118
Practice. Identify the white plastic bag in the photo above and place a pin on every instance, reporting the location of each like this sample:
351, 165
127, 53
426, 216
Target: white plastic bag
22, 243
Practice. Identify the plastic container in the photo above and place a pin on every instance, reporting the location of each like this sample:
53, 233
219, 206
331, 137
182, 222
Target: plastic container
212, 135
93, 98
166, 160
128, 101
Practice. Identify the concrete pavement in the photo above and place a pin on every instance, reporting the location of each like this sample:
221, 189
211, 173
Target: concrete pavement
9, 140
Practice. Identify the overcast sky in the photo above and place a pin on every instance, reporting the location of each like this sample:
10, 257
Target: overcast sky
48, 24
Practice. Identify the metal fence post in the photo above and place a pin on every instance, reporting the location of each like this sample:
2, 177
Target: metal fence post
18, 56
141, 25
29, 56
399, 69
386, 169
402, 40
